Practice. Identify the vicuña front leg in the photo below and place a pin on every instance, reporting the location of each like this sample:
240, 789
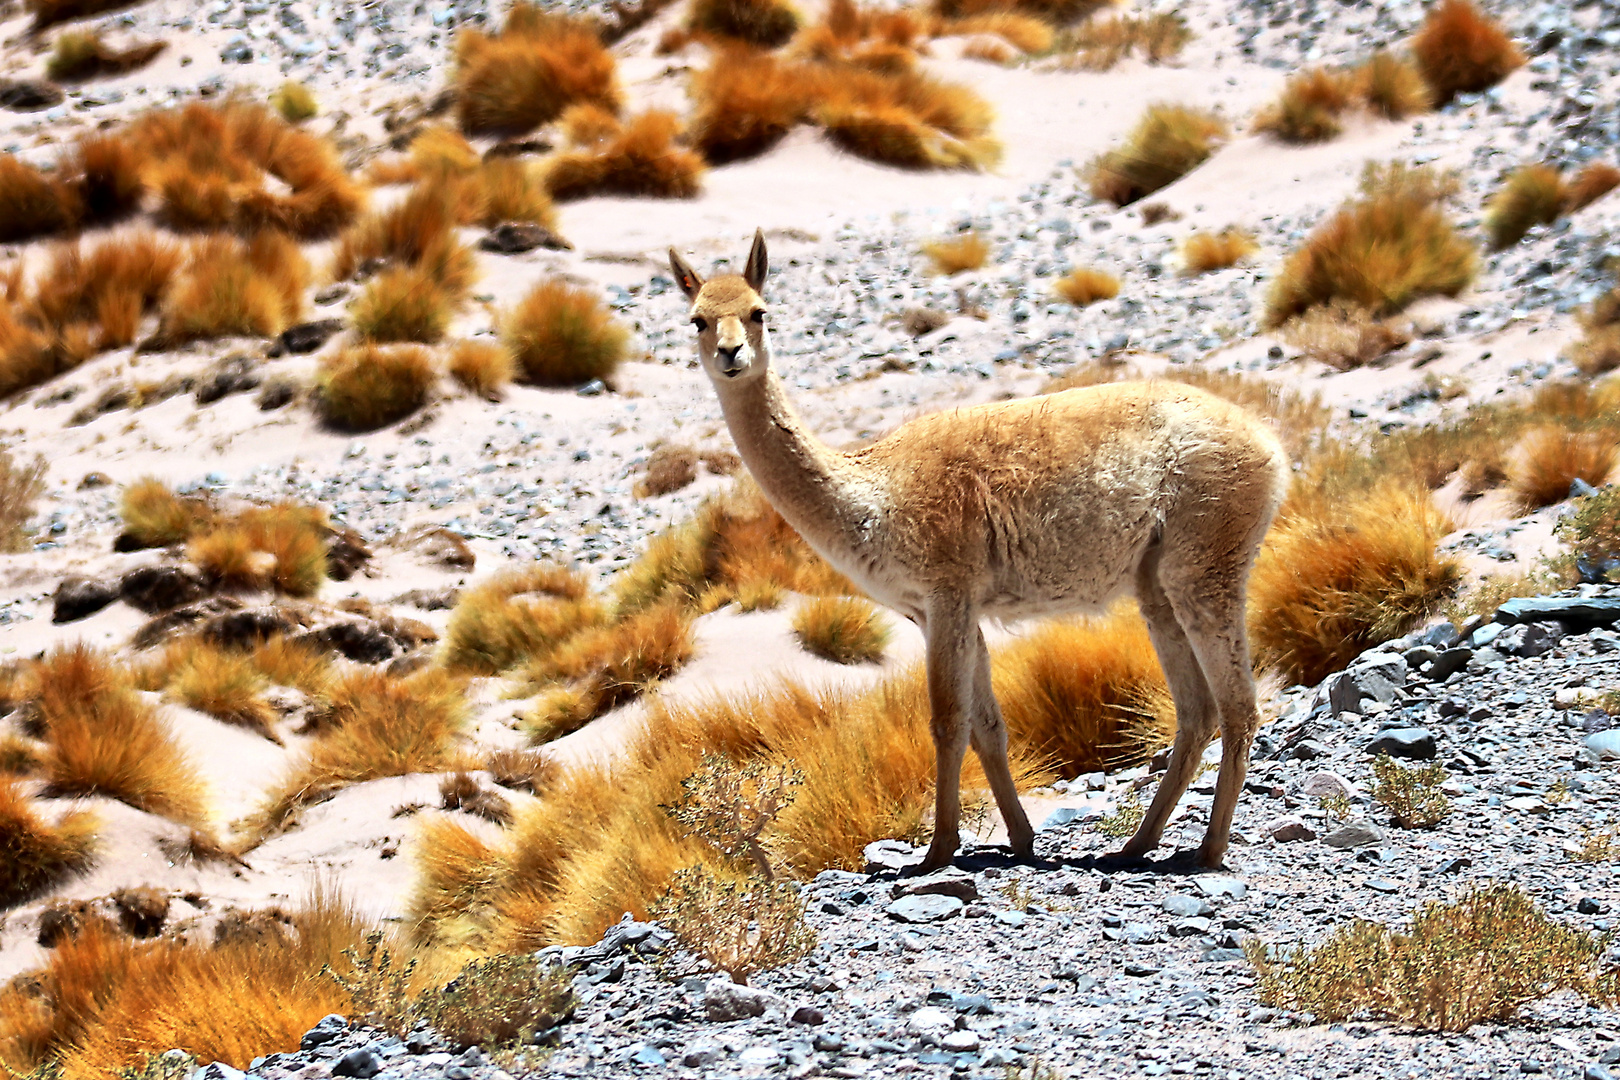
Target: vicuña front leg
990, 744
950, 626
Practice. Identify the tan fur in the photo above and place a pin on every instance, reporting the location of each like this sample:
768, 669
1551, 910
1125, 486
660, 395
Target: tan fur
1023, 508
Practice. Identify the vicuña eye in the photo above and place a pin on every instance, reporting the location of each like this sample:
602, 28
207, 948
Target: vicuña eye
758, 315
700, 322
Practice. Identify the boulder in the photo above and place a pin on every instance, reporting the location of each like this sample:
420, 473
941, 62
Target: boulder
1377, 680
925, 908
1415, 743
1529, 638
1575, 610
29, 95
1353, 834
307, 337
78, 597
162, 587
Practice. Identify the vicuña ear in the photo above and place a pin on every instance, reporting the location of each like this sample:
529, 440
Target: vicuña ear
686, 277
758, 263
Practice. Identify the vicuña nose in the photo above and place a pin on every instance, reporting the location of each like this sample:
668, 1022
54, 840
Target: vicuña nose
729, 353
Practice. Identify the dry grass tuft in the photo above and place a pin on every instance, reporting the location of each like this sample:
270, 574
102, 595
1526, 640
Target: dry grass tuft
1083, 286
523, 770
32, 203
1390, 247
462, 792
35, 853
1024, 33
1391, 87
670, 467
525, 76
1204, 252
371, 386
154, 516
1099, 44
765, 24
508, 620
1533, 195
563, 336
401, 303
960, 253
226, 685
1340, 575
1310, 106
106, 289
375, 726
20, 485
1511, 952
843, 629
233, 287
1461, 50
640, 159
286, 662
294, 102
1589, 185
482, 367
1343, 336
419, 232
102, 738
1167, 143
80, 55
1549, 459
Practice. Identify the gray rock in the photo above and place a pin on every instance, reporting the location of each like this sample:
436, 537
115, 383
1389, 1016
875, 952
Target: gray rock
277, 392
925, 908
1353, 834
890, 855
1529, 639
77, 597
646, 1054
1415, 743
759, 1057
1605, 744
232, 375
1218, 887
808, 1015
947, 882
1585, 611
1449, 662
1327, 785
961, 1042
309, 336
724, 1000
1193, 927
330, 1026
362, 1062
516, 237
1594, 1071
1184, 905
696, 1057
1486, 635
1014, 919
218, 1070
1377, 680
1065, 815
930, 1020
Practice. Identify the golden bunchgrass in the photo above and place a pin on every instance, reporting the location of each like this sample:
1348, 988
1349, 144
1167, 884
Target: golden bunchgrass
371, 386
1550, 458
527, 74
103, 738
1338, 576
35, 852
81, 55
374, 725
155, 516
513, 617
1390, 247
1084, 285
1343, 335
226, 685
419, 231
235, 287
401, 303
1532, 195
107, 288
1099, 44
1167, 143
32, 203
958, 254
843, 629
563, 335
1598, 350
281, 547
481, 367
228, 560
1310, 106
1392, 87
1461, 50
286, 662
766, 24
641, 158
1595, 180
1204, 252
1024, 33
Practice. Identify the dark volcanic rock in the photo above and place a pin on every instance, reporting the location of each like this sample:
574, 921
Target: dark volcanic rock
232, 375
516, 237
29, 95
307, 337
360, 640
1417, 743
346, 553
1581, 611
154, 589
77, 597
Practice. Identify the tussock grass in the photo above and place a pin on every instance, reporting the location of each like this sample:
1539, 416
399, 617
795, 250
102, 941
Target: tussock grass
32, 203
286, 662
1477, 959
107, 288
36, 853
560, 335
1594, 181
374, 726
102, 1001
1204, 252
641, 158
1024, 33
234, 287
1343, 335
1392, 87
515, 616
1340, 575
372, 386
1380, 252
418, 232
1461, 50
527, 74
1550, 458
523, 770
508, 189
1099, 44
969, 251
228, 560
766, 24
290, 537
1083, 286
1310, 106
843, 629
224, 684
102, 738
294, 102
20, 485
1052, 12
670, 467
1533, 195
1167, 143
1598, 351
401, 304
79, 56
481, 367
155, 516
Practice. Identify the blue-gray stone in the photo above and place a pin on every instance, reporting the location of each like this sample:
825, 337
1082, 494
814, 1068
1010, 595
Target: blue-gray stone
924, 908
972, 1004
1217, 888
1585, 611
331, 1026
1014, 919
361, 1062
1605, 744
646, 1054
1486, 634
1062, 816
1184, 906
1415, 742
218, 1070
1353, 834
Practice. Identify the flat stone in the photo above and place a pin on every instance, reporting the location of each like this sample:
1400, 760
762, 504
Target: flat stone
1585, 611
808, 1015
516, 237
1605, 744
153, 589
930, 1020
1377, 680
724, 1000
759, 1057
1353, 834
1065, 815
1193, 927
362, 1062
1327, 785
1221, 888
1183, 905
1014, 919
646, 1054
78, 597
961, 1042
329, 1027
924, 908
1449, 662
1529, 639
947, 882
1289, 829
29, 95
696, 1057
309, 336
1414, 742
890, 855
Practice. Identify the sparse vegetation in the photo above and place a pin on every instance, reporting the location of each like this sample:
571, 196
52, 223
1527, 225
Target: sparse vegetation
1597, 845
1412, 796
1549, 459
960, 253
1533, 195
1204, 252
418, 232
481, 367
1099, 44
1167, 143
371, 386
639, 158
1461, 50
561, 335
1392, 246
1343, 336
1511, 952
1122, 821
20, 485
670, 467
498, 1001
36, 853
1392, 87
154, 516
1084, 285
513, 617
526, 75
843, 629
1593, 533
294, 102
80, 55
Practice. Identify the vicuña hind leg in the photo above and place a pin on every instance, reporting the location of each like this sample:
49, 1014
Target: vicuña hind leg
1195, 711
951, 630
1225, 657
989, 734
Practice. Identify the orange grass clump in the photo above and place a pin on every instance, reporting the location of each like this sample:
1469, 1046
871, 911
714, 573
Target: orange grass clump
514, 617
1083, 286
35, 853
1391, 87
1550, 459
371, 386
286, 662
234, 287
102, 738
1533, 195
226, 685
1308, 110
560, 335
401, 303
154, 516
640, 158
108, 288
1204, 252
958, 254
1594, 181
1338, 576
1167, 143
843, 629
1099, 44
481, 367
418, 232
766, 24
531, 71
1461, 50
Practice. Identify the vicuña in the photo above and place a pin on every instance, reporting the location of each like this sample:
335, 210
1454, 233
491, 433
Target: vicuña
1049, 505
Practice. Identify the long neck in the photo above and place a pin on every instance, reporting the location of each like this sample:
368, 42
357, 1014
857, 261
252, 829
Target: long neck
814, 487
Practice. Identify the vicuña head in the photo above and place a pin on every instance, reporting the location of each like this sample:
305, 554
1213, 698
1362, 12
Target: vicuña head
1025, 508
